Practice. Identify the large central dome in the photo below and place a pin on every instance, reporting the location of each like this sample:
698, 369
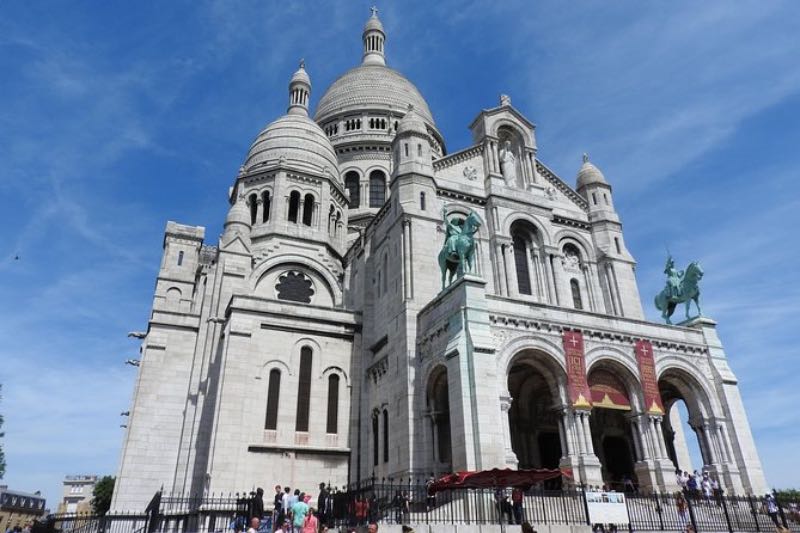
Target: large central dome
372, 86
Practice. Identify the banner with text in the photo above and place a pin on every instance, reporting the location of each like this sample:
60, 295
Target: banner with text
647, 371
579, 392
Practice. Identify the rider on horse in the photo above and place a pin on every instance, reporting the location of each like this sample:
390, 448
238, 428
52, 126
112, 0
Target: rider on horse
674, 278
454, 227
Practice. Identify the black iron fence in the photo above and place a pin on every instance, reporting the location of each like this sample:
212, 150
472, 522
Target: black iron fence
409, 502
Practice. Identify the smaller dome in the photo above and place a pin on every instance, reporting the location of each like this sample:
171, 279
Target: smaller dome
238, 214
411, 122
589, 174
374, 23
293, 140
301, 76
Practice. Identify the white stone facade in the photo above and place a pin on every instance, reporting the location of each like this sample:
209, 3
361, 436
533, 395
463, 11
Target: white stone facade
314, 342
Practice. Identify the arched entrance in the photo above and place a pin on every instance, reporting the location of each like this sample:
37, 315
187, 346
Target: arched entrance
612, 432
438, 403
679, 392
534, 415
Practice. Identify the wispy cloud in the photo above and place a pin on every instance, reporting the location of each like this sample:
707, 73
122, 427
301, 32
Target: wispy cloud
116, 119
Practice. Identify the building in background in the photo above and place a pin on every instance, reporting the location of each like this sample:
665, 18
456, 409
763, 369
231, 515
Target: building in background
77, 494
19, 508
314, 341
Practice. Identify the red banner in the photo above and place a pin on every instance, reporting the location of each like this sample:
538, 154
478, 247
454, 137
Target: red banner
608, 391
647, 371
579, 392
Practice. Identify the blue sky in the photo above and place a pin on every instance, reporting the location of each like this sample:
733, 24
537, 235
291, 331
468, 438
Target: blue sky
119, 116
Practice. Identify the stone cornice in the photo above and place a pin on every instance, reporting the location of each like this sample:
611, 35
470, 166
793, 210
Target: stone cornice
628, 338
571, 222
458, 157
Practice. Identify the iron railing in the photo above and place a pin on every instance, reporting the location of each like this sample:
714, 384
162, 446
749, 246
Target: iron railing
408, 502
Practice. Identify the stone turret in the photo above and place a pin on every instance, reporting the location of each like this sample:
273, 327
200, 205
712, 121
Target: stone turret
615, 263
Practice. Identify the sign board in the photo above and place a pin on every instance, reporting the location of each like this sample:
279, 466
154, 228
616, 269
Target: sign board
607, 508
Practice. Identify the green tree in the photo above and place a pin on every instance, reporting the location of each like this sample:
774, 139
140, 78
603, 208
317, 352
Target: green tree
787, 495
101, 496
2, 453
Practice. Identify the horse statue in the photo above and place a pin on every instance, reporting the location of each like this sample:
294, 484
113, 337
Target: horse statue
682, 287
458, 250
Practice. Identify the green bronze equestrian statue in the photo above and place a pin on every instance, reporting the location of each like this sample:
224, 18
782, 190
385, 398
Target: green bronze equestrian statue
682, 287
458, 251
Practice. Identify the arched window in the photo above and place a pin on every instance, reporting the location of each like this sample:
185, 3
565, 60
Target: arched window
385, 436
266, 200
304, 390
576, 294
617, 246
180, 258
375, 443
352, 182
377, 188
332, 425
422, 201
521, 262
308, 209
294, 206
273, 393
338, 223
253, 203
331, 217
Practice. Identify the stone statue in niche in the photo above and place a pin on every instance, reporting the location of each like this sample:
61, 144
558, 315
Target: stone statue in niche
508, 164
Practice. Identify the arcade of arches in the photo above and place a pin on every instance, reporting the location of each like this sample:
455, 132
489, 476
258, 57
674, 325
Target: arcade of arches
613, 441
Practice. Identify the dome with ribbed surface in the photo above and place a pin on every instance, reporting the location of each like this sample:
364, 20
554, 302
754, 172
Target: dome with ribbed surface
238, 214
298, 141
589, 174
411, 123
374, 87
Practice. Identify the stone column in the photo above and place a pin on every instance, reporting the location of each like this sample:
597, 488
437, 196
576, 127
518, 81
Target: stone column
659, 436
511, 270
612, 293
531, 273
495, 158
408, 283
500, 269
505, 407
259, 210
544, 260
564, 298
588, 283
540, 281
315, 216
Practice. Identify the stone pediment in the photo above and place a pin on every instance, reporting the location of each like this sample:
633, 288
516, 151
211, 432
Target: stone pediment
235, 244
558, 188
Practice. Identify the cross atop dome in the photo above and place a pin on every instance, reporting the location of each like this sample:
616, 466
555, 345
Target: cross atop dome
374, 38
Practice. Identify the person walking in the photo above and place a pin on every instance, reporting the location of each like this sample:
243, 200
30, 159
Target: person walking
322, 504
772, 509
299, 511
683, 508
516, 504
277, 511
311, 523
257, 504
286, 502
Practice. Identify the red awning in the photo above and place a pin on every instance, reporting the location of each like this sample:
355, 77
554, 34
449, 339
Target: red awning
496, 478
